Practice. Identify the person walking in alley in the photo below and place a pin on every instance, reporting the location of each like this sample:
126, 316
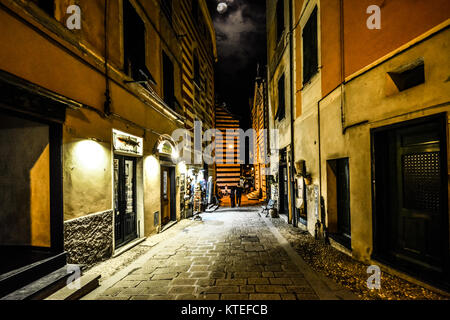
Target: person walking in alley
238, 195
233, 196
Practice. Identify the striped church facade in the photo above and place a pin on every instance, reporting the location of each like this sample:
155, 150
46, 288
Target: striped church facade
228, 167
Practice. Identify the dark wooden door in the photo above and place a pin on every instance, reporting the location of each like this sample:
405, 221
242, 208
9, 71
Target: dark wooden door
124, 199
343, 198
411, 215
418, 209
165, 195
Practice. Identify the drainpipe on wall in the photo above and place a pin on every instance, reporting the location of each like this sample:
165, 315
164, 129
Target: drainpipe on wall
341, 40
107, 104
291, 57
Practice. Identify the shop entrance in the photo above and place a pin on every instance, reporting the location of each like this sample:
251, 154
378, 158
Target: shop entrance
31, 200
124, 199
168, 198
411, 206
283, 184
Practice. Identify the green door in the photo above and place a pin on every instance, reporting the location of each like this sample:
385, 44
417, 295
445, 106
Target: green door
411, 216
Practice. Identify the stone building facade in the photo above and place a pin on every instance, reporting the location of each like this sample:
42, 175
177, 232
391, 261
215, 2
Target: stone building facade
98, 105
370, 131
260, 125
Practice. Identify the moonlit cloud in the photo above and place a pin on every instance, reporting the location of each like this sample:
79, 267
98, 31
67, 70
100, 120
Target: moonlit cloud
241, 44
239, 31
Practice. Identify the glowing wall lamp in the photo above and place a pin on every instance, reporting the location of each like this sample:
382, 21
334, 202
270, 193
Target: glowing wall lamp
89, 154
151, 166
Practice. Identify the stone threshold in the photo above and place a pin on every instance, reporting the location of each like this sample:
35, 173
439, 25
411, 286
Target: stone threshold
128, 246
168, 226
397, 273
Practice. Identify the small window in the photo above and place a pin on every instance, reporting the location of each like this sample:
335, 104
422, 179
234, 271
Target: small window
48, 6
280, 19
409, 76
134, 44
310, 50
169, 81
197, 75
281, 112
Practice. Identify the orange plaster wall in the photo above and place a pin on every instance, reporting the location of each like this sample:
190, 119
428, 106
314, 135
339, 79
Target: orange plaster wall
401, 22
330, 39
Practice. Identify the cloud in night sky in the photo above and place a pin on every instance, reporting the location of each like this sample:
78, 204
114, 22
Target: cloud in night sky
241, 44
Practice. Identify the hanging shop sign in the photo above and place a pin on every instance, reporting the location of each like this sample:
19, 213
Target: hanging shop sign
165, 147
127, 143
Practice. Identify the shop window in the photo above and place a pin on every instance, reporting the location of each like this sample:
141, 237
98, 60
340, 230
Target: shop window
48, 6
409, 76
280, 19
134, 44
169, 81
310, 50
281, 112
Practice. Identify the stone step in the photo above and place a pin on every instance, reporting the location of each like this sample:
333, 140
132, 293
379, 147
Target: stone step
22, 277
44, 286
87, 284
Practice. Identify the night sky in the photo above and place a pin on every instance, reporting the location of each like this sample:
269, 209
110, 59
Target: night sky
241, 45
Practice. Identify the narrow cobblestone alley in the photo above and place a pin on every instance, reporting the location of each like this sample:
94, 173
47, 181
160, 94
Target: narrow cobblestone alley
230, 255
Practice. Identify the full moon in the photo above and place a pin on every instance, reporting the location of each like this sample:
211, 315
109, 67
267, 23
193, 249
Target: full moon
222, 8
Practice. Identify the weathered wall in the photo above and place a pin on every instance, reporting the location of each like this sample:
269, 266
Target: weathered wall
401, 22
24, 182
152, 199
41, 50
306, 135
366, 99
89, 239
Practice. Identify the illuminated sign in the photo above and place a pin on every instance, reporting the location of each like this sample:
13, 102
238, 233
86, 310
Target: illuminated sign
127, 143
165, 148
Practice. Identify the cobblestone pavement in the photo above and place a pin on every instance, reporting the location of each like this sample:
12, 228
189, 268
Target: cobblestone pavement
230, 255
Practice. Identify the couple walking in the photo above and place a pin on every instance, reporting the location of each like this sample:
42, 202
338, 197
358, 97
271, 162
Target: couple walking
236, 196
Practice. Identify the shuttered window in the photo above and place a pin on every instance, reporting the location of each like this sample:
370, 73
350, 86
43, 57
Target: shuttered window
281, 112
134, 44
280, 19
310, 50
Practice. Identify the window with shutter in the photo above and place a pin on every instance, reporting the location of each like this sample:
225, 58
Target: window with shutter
310, 50
281, 112
280, 19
